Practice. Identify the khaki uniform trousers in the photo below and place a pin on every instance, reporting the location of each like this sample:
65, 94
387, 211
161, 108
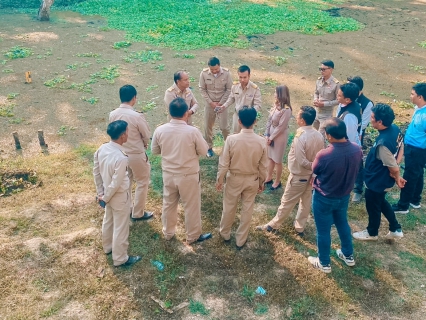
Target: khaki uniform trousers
236, 187
115, 227
319, 121
209, 119
297, 189
185, 187
235, 125
139, 169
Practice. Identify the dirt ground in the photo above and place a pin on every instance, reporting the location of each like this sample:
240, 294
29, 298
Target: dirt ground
385, 54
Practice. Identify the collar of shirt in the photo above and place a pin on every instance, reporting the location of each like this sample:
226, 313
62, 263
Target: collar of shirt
328, 81
217, 74
177, 121
116, 145
247, 130
126, 106
418, 108
178, 90
247, 86
304, 128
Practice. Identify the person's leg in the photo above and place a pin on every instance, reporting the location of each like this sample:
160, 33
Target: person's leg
271, 165
107, 229
231, 195
120, 204
250, 187
170, 205
190, 195
209, 118
141, 170
373, 203
322, 208
414, 168
340, 217
279, 170
390, 215
223, 124
235, 125
359, 182
305, 203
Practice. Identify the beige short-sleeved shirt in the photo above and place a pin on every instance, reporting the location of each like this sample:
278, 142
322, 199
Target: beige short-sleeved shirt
249, 96
174, 92
244, 153
110, 170
180, 145
215, 89
139, 132
326, 91
306, 144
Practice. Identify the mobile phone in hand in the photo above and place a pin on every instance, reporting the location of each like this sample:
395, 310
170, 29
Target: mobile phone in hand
102, 203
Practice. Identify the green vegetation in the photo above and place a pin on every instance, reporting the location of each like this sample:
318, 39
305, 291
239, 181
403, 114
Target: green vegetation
150, 88
149, 106
18, 52
278, 60
8, 71
248, 293
7, 111
218, 23
53, 83
261, 309
160, 67
91, 100
422, 44
388, 94
271, 82
88, 55
198, 307
121, 44
145, 56
107, 73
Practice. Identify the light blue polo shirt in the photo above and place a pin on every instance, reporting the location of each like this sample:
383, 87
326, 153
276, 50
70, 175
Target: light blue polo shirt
416, 133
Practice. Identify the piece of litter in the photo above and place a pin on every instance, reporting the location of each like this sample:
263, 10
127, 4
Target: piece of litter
162, 305
260, 291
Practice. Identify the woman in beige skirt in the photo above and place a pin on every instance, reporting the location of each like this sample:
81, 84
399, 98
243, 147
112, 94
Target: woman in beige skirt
277, 134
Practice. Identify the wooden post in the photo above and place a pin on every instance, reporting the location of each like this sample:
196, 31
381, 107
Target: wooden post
44, 10
41, 139
17, 143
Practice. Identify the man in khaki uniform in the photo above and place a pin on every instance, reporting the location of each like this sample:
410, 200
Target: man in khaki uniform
325, 96
112, 188
180, 145
137, 142
215, 86
243, 161
306, 144
180, 89
245, 93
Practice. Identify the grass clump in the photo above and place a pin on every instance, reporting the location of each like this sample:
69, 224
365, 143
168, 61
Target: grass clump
18, 52
107, 73
145, 56
12, 182
121, 44
53, 83
218, 23
8, 71
422, 44
7, 111
88, 55
198, 307
91, 100
248, 293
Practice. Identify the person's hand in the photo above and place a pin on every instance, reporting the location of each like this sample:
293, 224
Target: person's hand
219, 109
268, 142
261, 188
213, 104
318, 104
400, 182
219, 186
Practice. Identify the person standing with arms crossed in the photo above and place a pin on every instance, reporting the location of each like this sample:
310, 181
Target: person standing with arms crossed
243, 161
325, 95
245, 93
112, 187
180, 146
215, 86
135, 148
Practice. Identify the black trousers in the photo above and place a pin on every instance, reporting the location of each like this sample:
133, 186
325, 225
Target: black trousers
415, 160
377, 204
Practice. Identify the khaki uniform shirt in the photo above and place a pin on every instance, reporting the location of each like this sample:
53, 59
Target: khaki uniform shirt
174, 92
244, 153
326, 91
180, 145
250, 96
306, 144
139, 132
110, 170
215, 89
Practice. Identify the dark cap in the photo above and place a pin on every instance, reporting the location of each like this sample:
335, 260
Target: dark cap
328, 63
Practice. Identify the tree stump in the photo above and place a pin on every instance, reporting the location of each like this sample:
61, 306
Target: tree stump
44, 10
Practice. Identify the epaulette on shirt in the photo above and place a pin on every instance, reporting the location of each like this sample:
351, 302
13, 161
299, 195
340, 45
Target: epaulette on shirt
335, 80
254, 85
299, 133
226, 69
124, 153
235, 82
206, 69
319, 78
170, 89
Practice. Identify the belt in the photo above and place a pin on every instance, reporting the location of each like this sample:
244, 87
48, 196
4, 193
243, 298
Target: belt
181, 174
243, 174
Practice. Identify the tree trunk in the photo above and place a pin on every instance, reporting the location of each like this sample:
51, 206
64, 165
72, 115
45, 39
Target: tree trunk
44, 10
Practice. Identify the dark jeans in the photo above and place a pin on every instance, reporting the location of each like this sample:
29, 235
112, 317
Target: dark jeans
362, 137
415, 160
359, 182
377, 204
326, 212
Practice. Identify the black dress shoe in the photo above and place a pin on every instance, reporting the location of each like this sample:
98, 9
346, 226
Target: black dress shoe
146, 215
227, 241
300, 234
204, 236
269, 182
275, 188
240, 247
130, 261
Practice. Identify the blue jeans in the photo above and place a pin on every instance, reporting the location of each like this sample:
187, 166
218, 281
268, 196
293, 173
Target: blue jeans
326, 212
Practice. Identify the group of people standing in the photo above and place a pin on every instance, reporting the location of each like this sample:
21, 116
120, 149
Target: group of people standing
248, 160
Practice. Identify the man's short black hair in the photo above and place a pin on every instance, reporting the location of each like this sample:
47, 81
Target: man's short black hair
308, 114
177, 75
243, 68
420, 89
178, 107
328, 63
127, 93
336, 128
247, 115
116, 128
358, 81
383, 112
350, 91
213, 61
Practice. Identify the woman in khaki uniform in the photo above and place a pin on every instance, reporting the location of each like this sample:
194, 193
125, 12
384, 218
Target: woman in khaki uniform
277, 134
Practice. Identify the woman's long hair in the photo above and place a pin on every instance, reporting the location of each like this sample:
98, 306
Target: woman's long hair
283, 96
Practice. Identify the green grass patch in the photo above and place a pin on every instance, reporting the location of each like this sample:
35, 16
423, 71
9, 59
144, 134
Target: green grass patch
261, 309
145, 56
278, 60
12, 96
53, 83
198, 307
91, 100
388, 94
422, 44
248, 293
413, 261
7, 111
271, 82
8, 71
88, 55
18, 52
149, 106
150, 88
121, 44
107, 73
217, 23
160, 67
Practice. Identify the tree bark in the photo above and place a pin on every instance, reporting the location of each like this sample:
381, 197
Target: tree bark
44, 10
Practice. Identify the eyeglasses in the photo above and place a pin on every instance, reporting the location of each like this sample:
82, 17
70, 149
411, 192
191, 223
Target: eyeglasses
323, 69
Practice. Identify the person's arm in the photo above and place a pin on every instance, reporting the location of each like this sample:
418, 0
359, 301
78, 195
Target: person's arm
194, 104
351, 122
97, 175
155, 147
389, 161
228, 87
299, 146
333, 102
366, 116
229, 101
120, 172
262, 169
268, 125
168, 98
224, 162
316, 92
257, 99
282, 124
144, 130
203, 88
201, 145
316, 168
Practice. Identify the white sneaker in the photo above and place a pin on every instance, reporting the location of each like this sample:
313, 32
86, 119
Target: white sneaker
364, 235
416, 205
348, 260
395, 235
317, 264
